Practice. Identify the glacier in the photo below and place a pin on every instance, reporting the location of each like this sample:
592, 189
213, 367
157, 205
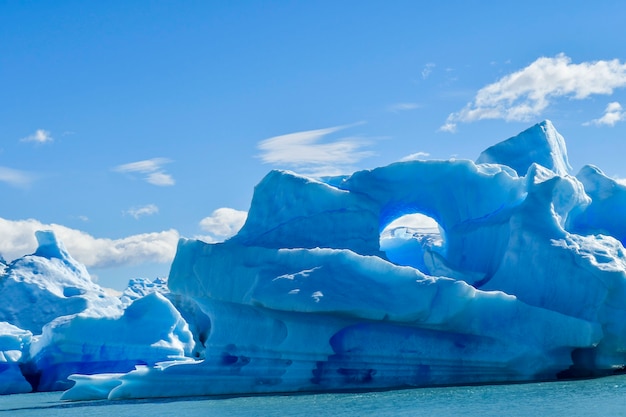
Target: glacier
524, 280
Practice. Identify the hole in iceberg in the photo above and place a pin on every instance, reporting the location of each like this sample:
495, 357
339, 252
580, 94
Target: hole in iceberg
407, 238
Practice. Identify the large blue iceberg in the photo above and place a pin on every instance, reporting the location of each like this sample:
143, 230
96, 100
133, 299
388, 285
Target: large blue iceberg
525, 281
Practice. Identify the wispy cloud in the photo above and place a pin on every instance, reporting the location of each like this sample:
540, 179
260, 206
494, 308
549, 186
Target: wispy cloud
529, 91
152, 170
427, 70
18, 239
15, 177
305, 151
415, 156
448, 126
612, 114
222, 224
402, 107
146, 210
40, 136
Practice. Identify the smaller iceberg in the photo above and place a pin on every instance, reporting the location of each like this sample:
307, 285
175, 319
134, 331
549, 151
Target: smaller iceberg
38, 288
14, 343
57, 322
149, 331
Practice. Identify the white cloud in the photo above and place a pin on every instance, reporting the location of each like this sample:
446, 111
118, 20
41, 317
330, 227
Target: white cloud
40, 136
529, 91
612, 114
152, 169
15, 177
427, 70
160, 179
449, 127
415, 156
146, 210
145, 166
18, 239
403, 107
222, 224
305, 152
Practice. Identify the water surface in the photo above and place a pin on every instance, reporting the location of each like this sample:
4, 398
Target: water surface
598, 397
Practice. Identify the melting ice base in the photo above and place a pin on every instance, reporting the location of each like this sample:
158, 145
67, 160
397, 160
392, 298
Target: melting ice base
527, 282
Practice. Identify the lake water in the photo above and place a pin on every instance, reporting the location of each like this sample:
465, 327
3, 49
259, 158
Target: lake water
598, 397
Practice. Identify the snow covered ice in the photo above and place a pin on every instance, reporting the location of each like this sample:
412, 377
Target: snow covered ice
524, 279
77, 327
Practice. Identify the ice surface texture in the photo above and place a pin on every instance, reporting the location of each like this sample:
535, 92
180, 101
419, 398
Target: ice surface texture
528, 282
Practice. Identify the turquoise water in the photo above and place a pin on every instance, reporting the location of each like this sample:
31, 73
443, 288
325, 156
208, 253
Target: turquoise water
599, 397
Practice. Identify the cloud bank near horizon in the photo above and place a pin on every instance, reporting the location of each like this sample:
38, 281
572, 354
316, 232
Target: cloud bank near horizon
19, 240
158, 247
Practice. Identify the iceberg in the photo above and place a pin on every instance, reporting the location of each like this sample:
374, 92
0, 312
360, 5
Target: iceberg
149, 331
38, 288
13, 343
523, 278
57, 322
526, 281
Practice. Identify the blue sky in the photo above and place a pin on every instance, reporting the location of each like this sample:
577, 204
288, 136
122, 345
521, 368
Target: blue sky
126, 125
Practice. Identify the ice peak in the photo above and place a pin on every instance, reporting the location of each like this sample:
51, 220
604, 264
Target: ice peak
49, 246
541, 144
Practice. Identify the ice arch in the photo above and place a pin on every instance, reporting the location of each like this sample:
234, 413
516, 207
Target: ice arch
406, 240
472, 203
